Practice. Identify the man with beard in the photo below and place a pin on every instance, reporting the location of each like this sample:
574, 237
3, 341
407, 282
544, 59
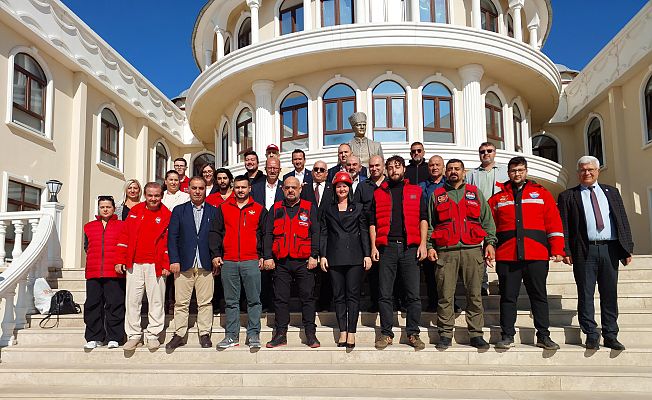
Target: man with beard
417, 171
251, 165
223, 181
300, 171
460, 220
343, 153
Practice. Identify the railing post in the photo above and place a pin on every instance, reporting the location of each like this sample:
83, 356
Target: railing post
36, 272
54, 244
3, 233
21, 305
18, 238
8, 323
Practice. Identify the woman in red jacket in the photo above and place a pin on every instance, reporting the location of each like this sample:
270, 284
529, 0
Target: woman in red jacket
104, 309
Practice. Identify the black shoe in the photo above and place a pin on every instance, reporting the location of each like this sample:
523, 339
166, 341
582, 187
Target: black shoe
372, 309
484, 292
341, 344
614, 344
205, 341
505, 343
593, 343
546, 343
444, 343
457, 309
312, 341
479, 343
175, 342
279, 339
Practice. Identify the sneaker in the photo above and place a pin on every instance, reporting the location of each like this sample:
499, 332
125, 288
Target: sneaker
279, 339
91, 344
227, 342
547, 344
153, 344
383, 342
479, 343
131, 344
253, 341
505, 343
312, 341
415, 341
444, 343
113, 344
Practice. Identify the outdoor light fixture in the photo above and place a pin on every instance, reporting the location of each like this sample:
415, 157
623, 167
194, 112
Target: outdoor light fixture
54, 186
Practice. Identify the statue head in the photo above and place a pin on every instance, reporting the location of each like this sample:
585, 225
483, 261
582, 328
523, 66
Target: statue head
358, 122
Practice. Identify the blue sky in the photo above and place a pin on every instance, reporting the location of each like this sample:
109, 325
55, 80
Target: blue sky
154, 35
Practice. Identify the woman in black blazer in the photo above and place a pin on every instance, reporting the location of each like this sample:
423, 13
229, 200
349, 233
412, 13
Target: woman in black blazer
345, 253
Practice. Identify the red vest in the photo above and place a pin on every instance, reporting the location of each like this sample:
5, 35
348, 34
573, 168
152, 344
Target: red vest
458, 222
102, 249
291, 236
411, 217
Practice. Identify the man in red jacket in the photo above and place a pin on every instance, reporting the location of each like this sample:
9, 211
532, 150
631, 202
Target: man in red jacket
144, 255
236, 245
530, 233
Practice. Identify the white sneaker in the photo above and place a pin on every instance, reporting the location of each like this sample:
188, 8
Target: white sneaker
113, 344
153, 344
90, 345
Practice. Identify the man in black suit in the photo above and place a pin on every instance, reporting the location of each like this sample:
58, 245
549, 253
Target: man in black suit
300, 171
597, 236
343, 153
362, 194
269, 190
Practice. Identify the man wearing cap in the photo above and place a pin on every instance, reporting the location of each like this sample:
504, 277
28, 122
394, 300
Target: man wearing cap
361, 146
272, 151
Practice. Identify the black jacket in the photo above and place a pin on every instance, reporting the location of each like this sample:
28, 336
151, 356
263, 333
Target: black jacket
258, 192
344, 238
417, 173
308, 193
337, 168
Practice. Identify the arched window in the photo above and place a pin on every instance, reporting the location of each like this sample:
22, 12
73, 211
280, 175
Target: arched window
244, 34
488, 15
109, 139
336, 12
437, 114
200, 160
433, 11
161, 163
648, 110
594, 139
225, 145
339, 104
227, 45
546, 147
244, 131
510, 26
29, 93
493, 109
290, 16
390, 109
518, 130
294, 122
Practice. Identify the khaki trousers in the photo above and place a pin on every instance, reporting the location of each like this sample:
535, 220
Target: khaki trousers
469, 263
202, 282
142, 278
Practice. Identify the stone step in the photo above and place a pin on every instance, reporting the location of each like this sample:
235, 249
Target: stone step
640, 335
309, 375
492, 317
524, 355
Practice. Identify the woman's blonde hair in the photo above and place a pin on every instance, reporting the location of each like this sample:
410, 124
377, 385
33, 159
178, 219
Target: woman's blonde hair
127, 184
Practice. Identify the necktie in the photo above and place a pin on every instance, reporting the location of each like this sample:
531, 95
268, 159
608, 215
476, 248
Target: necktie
317, 193
599, 222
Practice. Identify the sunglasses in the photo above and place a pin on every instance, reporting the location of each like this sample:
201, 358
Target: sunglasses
416, 151
319, 169
487, 151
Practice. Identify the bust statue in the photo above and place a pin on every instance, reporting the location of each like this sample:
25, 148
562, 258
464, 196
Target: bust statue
362, 146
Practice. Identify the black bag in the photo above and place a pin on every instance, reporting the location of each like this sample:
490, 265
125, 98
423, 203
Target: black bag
61, 303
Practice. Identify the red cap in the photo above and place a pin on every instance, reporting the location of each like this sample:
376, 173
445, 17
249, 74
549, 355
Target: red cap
342, 176
272, 147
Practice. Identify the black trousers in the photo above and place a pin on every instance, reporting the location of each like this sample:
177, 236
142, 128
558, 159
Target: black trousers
534, 275
601, 267
104, 309
323, 290
346, 280
297, 270
399, 259
429, 268
267, 290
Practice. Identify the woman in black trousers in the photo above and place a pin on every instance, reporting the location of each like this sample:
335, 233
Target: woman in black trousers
345, 254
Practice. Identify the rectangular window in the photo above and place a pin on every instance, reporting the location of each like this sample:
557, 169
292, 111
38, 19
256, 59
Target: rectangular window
20, 197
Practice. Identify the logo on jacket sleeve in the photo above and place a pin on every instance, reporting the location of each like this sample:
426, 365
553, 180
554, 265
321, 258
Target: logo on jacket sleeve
442, 198
504, 198
534, 195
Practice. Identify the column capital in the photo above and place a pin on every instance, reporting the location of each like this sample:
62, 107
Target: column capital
534, 22
471, 73
516, 4
254, 3
262, 87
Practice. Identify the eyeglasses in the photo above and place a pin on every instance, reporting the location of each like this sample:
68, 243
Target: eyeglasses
272, 168
104, 198
589, 170
486, 151
517, 171
416, 151
319, 170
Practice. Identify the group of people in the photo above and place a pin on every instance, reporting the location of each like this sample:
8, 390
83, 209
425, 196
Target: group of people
325, 230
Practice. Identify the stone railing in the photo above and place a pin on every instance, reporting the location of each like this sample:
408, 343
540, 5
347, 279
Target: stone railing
17, 279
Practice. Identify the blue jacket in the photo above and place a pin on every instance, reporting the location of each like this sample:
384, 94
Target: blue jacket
183, 238
429, 187
258, 192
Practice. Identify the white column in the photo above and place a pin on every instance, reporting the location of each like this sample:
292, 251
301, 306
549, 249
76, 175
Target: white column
360, 15
264, 123
143, 151
207, 58
534, 38
394, 11
255, 26
317, 14
414, 11
307, 15
473, 109
220, 43
18, 238
3, 233
516, 14
476, 19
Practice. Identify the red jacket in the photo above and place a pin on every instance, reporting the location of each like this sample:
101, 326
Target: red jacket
131, 233
237, 232
540, 232
458, 222
183, 184
101, 245
291, 236
216, 199
411, 207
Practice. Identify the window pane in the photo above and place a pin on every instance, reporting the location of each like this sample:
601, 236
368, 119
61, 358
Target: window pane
398, 117
436, 89
331, 116
28, 120
438, 137
109, 116
424, 11
440, 11
299, 20
492, 99
429, 113
293, 99
32, 195
20, 88
346, 12
108, 159
15, 191
498, 124
348, 108
244, 115
488, 125
302, 121
113, 140
380, 113
329, 12
445, 114
390, 136
331, 140
286, 23
294, 144
389, 87
287, 124
339, 90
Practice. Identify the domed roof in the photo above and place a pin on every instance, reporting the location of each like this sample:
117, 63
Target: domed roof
562, 68
181, 95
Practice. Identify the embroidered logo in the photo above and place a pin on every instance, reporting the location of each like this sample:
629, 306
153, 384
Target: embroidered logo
413, 197
303, 217
534, 195
504, 198
158, 220
252, 212
442, 198
470, 196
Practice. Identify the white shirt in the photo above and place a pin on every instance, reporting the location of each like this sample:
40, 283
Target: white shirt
355, 183
322, 185
592, 230
300, 175
172, 200
270, 194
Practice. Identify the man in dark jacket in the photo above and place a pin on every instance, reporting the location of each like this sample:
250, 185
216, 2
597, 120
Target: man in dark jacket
417, 171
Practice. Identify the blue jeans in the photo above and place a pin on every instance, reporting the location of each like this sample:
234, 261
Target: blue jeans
233, 273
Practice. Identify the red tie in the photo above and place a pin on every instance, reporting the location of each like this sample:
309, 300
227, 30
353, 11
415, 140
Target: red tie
317, 194
599, 223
